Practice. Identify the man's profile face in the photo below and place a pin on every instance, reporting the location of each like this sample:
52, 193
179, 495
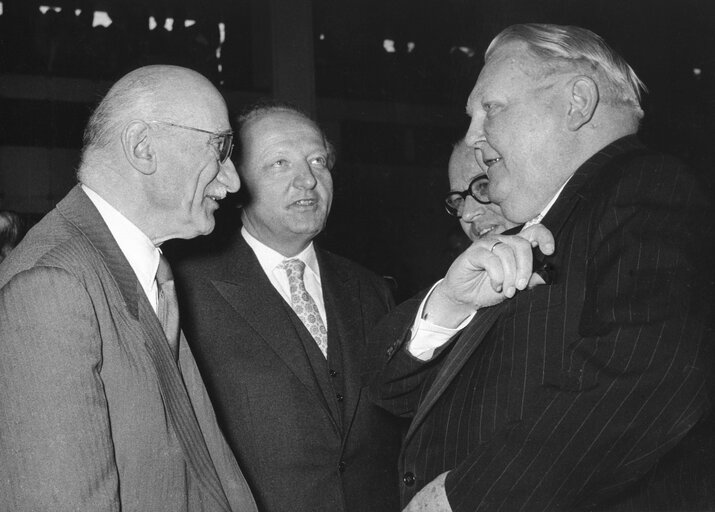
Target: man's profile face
192, 180
518, 121
285, 170
478, 220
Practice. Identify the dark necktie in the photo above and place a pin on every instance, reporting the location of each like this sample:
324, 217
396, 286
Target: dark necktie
514, 231
304, 305
168, 305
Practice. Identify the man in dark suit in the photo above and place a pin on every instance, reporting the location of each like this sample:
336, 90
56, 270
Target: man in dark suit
278, 328
101, 404
589, 391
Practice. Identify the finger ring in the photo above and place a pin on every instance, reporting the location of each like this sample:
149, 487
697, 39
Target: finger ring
491, 249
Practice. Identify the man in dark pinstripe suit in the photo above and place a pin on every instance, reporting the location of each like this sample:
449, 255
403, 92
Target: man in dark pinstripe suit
590, 392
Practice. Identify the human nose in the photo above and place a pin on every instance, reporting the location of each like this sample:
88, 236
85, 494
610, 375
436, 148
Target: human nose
475, 132
228, 176
471, 209
305, 177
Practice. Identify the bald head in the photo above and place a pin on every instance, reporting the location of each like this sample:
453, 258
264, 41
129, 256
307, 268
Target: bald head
477, 220
148, 93
464, 165
157, 150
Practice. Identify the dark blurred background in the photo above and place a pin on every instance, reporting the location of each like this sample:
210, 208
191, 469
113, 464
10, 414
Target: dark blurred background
387, 79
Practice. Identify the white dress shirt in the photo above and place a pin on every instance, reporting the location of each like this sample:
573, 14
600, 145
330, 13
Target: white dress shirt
427, 337
270, 261
141, 253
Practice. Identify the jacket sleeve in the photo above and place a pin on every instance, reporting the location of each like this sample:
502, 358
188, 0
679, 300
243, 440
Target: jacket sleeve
402, 379
55, 441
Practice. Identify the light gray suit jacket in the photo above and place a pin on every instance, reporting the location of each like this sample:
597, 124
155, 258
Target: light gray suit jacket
94, 413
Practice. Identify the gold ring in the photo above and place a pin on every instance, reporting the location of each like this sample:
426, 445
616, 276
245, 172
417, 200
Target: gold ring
491, 249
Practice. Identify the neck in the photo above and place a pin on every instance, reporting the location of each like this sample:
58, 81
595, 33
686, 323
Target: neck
286, 248
127, 202
610, 124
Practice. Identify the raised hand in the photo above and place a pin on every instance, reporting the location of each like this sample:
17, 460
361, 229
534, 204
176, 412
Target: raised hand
489, 271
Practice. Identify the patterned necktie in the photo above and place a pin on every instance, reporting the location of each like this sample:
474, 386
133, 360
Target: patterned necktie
168, 305
304, 305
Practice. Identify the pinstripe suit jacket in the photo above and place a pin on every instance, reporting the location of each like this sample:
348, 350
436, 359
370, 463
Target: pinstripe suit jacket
94, 414
588, 393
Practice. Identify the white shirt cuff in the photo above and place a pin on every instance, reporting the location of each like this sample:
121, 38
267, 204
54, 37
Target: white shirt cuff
427, 337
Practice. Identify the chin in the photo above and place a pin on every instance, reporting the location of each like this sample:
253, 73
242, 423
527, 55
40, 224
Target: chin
313, 226
202, 227
207, 228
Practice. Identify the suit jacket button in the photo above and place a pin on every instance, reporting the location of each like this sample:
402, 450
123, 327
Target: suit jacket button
332, 372
339, 397
409, 479
341, 466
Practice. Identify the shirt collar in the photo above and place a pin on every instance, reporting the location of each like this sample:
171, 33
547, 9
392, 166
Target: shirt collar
546, 209
269, 258
141, 253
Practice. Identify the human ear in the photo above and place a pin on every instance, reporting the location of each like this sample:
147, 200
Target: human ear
137, 147
583, 99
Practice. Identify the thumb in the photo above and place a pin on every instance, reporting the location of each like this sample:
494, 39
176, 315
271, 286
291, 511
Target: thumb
539, 236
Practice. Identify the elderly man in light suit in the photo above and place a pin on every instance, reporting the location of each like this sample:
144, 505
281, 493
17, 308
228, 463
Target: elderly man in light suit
101, 404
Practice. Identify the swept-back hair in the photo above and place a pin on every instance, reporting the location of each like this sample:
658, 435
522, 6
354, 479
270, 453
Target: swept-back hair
264, 108
130, 97
562, 47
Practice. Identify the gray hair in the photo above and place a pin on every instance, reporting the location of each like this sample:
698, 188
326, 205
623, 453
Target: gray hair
133, 96
140, 94
561, 47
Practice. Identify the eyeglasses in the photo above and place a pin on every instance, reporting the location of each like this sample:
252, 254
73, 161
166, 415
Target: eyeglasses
478, 189
224, 140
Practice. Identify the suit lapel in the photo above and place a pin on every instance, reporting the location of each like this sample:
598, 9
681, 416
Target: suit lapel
589, 174
179, 405
473, 335
79, 210
341, 292
246, 288
586, 176
465, 344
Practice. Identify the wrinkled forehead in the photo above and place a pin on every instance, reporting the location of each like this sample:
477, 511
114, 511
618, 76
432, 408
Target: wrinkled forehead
197, 104
284, 128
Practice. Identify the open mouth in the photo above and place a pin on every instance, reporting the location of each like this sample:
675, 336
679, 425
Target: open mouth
305, 202
484, 232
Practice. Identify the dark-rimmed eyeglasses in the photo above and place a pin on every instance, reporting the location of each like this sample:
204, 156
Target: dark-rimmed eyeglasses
478, 189
222, 141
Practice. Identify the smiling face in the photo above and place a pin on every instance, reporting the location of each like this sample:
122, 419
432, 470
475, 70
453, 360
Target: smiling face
477, 220
190, 180
285, 170
518, 121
